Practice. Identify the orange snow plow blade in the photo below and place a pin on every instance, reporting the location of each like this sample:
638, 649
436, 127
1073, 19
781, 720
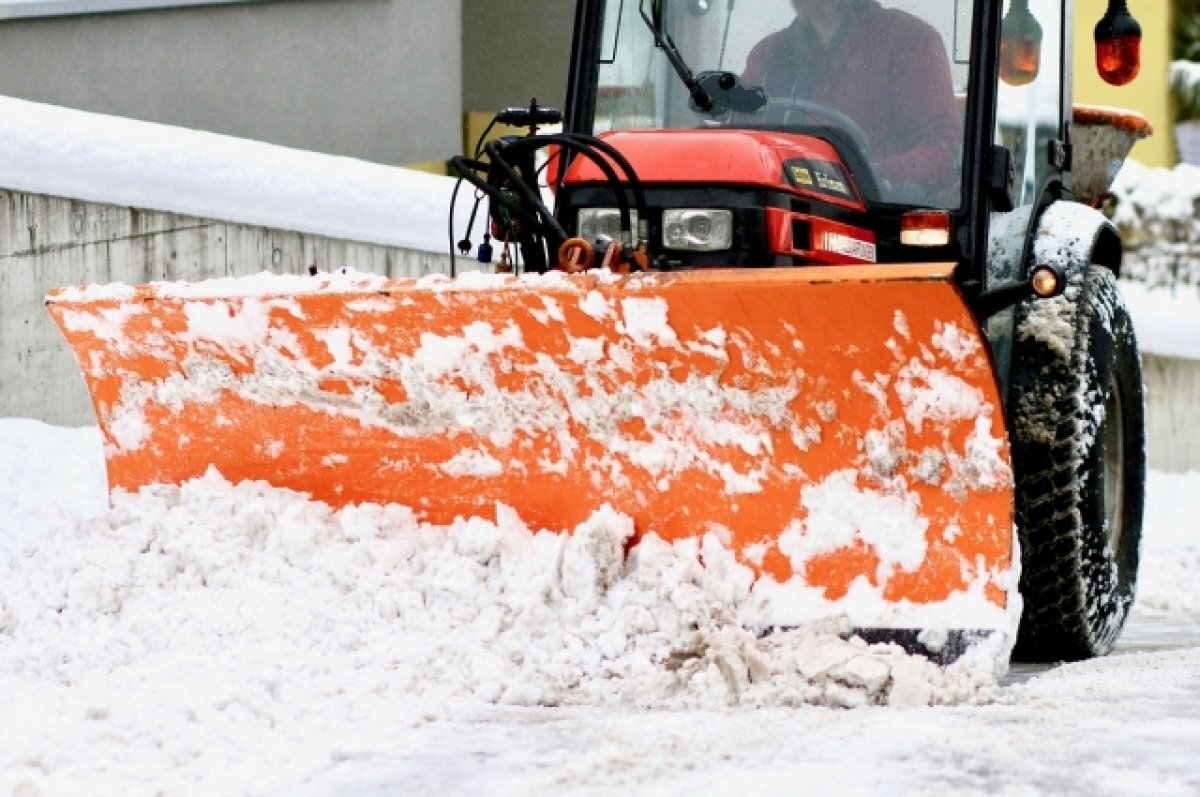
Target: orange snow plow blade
839, 429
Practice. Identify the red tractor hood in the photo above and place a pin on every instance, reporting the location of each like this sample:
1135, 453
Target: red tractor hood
766, 159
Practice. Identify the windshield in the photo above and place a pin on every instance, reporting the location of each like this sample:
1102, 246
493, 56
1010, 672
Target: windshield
884, 77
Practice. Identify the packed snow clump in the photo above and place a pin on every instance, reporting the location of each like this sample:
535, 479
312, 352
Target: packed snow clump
277, 598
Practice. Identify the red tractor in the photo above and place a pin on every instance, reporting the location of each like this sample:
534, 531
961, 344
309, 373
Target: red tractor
855, 132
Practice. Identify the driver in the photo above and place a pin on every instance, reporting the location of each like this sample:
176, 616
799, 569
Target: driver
885, 69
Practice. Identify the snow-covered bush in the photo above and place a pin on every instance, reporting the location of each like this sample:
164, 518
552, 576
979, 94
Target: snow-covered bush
1185, 89
1186, 29
1158, 210
1158, 213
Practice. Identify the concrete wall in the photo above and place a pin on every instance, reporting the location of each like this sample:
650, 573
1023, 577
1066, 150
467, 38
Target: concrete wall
1172, 412
374, 79
48, 241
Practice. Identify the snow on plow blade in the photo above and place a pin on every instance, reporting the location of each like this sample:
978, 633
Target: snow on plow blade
839, 429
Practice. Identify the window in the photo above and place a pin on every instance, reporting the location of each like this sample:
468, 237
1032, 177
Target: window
884, 87
21, 9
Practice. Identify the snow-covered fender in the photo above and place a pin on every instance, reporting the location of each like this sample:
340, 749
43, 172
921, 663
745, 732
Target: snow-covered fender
1067, 234
1074, 236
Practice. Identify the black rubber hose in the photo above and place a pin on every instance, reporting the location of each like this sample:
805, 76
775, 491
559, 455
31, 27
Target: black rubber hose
635, 182
586, 149
468, 168
523, 189
589, 147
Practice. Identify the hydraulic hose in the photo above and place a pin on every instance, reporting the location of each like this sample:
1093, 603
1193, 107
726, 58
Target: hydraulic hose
500, 171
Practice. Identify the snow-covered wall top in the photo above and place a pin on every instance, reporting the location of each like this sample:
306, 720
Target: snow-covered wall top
47, 149
1167, 322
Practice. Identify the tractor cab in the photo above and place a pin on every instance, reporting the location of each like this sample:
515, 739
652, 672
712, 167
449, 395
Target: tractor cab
776, 133
812, 127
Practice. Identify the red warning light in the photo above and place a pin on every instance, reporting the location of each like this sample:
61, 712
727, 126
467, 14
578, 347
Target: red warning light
1118, 45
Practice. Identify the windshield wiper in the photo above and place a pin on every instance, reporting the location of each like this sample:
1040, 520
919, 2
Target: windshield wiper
699, 96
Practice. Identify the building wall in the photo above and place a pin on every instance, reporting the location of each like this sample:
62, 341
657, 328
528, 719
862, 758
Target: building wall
347, 77
514, 50
1147, 94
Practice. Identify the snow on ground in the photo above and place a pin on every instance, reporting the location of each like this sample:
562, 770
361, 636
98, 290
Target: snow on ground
221, 639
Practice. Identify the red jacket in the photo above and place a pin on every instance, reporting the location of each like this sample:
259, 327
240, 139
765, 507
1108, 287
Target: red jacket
888, 71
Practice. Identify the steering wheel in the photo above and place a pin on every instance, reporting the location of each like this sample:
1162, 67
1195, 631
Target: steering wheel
811, 115
823, 121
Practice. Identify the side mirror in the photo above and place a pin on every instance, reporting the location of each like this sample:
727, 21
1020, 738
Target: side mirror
1118, 45
1020, 45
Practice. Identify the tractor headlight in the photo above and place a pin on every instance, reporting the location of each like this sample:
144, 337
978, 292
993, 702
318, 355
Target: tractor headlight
695, 230
598, 223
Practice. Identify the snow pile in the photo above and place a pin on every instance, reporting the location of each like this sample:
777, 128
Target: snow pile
32, 456
268, 583
195, 624
1158, 214
1167, 321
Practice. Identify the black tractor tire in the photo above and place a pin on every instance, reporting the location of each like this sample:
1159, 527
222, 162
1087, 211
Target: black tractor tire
1077, 426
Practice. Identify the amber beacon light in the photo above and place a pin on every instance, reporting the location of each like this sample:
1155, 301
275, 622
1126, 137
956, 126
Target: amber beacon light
1118, 44
1020, 45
